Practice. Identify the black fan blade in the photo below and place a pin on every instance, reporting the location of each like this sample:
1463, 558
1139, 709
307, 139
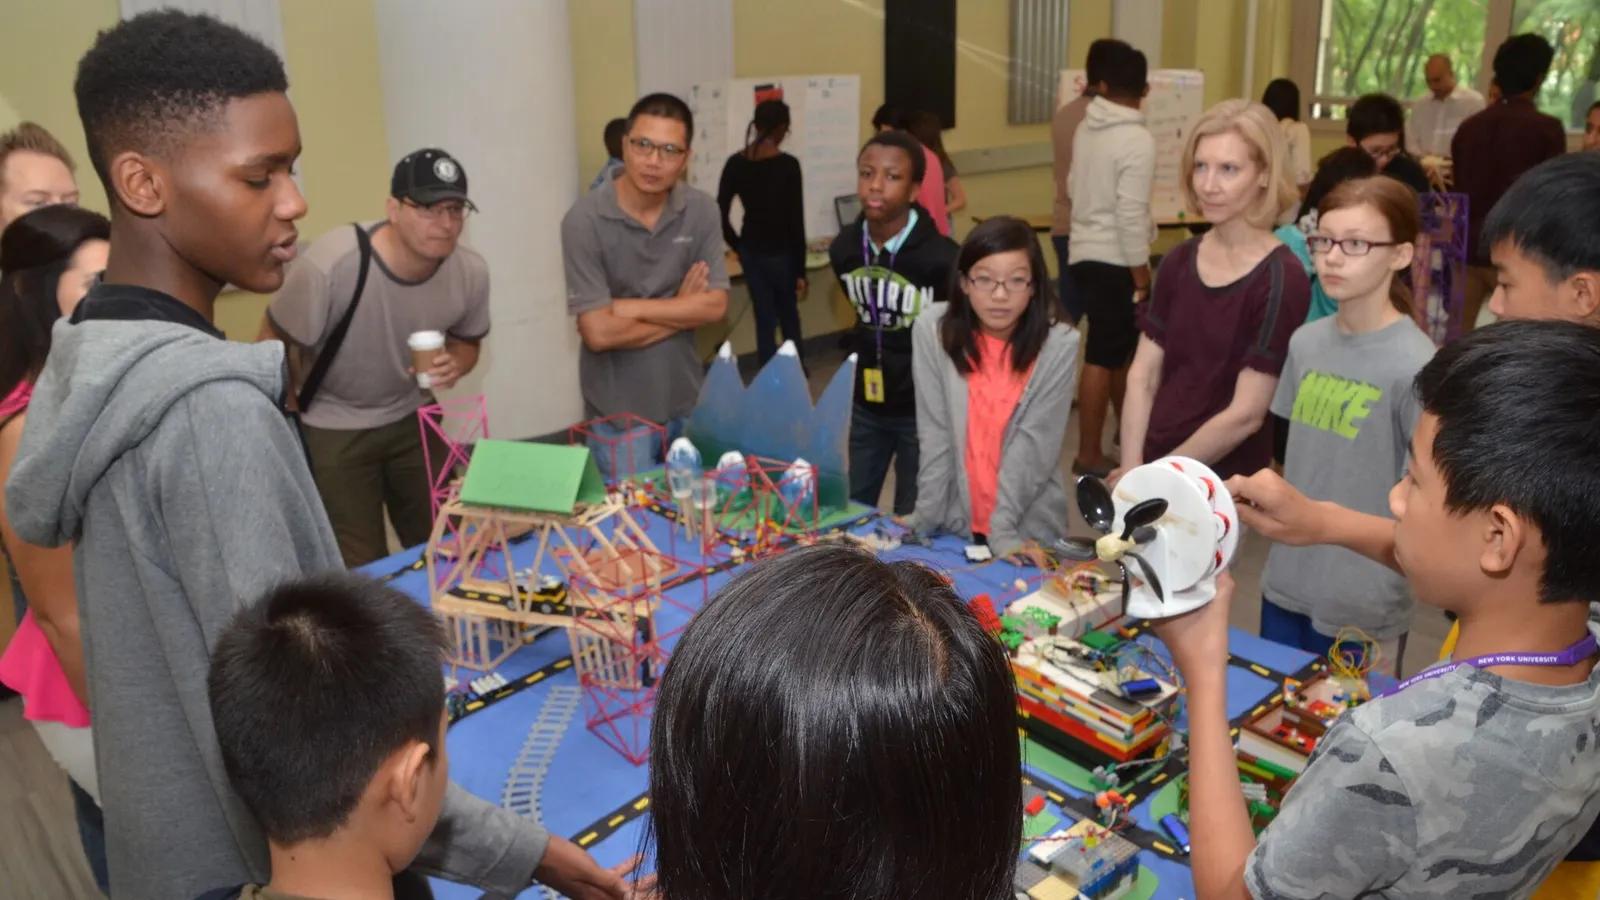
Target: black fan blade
1149, 575
1094, 502
1145, 534
1143, 513
1077, 549
1127, 585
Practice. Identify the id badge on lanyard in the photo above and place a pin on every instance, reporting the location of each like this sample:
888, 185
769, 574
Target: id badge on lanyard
872, 386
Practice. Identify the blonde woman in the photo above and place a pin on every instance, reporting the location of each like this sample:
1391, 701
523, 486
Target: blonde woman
1216, 330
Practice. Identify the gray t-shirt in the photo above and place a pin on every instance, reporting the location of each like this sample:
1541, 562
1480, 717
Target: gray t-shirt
1469, 785
1351, 408
609, 255
367, 385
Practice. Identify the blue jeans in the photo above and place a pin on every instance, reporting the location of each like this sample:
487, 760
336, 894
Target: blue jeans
1293, 629
771, 279
631, 450
874, 440
1071, 303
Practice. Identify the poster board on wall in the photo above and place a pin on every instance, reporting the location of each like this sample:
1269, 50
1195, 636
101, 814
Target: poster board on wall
824, 134
1174, 103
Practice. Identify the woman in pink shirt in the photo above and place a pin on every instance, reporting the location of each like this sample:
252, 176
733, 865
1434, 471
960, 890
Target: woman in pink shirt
994, 375
48, 260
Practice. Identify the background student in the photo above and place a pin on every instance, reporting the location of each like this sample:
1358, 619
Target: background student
994, 374
1282, 96
1064, 125
926, 128
771, 242
887, 747
894, 265
1113, 165
1216, 330
1493, 148
613, 134
1376, 124
1346, 391
48, 259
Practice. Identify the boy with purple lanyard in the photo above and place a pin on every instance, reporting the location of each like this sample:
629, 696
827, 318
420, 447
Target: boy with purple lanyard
893, 265
1476, 777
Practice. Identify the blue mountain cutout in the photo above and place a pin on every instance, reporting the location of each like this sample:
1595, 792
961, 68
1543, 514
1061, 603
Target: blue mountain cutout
773, 418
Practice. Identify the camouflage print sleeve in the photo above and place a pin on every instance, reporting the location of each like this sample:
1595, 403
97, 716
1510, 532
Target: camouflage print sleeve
1346, 828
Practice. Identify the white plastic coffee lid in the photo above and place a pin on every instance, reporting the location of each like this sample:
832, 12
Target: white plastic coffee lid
425, 340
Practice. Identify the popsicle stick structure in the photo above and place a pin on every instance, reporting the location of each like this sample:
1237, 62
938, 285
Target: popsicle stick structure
490, 589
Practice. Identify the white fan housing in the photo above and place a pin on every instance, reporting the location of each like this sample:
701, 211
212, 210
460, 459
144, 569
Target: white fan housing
1195, 540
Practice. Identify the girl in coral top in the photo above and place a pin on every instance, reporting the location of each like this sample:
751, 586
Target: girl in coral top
994, 374
48, 260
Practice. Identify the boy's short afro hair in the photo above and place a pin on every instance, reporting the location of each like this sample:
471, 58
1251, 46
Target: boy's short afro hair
151, 76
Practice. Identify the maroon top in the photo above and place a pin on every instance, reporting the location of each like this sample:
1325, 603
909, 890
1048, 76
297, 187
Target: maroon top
1491, 148
1208, 335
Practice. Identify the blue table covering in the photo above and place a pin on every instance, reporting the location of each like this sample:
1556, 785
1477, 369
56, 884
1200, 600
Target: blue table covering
595, 796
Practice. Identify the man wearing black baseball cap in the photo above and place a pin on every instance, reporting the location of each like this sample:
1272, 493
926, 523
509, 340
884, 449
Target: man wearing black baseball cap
356, 384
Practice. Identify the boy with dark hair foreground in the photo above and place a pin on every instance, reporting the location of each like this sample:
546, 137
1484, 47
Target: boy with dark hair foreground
1474, 777
330, 714
160, 452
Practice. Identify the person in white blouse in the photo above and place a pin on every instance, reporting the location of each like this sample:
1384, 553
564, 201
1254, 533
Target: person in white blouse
1282, 96
1436, 115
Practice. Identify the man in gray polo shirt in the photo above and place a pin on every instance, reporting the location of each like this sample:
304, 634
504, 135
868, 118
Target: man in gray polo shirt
361, 427
644, 264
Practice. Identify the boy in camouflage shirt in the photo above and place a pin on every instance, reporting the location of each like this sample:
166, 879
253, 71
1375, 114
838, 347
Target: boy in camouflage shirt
1474, 778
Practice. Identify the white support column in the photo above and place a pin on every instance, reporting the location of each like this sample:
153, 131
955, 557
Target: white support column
491, 82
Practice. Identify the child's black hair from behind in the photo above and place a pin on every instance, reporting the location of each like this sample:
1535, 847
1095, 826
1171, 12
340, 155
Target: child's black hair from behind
312, 687
1518, 405
162, 73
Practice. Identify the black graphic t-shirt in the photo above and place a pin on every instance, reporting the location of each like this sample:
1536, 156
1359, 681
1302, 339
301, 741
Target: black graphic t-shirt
889, 291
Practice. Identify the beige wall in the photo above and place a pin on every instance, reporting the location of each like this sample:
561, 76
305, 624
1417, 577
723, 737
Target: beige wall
331, 56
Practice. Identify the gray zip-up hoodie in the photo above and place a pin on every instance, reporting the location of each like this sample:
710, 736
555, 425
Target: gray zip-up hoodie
161, 451
1030, 497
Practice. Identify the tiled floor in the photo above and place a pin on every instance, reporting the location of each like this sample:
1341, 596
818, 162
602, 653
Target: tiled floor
39, 851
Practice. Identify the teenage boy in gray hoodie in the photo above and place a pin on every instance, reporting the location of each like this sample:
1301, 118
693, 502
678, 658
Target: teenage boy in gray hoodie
158, 449
1113, 164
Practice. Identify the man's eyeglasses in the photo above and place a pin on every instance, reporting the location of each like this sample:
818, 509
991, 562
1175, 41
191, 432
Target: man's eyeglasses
1016, 284
449, 209
1382, 155
667, 152
1321, 243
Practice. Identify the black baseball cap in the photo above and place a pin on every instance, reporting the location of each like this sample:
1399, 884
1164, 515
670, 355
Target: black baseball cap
428, 176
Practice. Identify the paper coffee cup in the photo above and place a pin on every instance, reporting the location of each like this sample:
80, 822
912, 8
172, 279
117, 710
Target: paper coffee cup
425, 345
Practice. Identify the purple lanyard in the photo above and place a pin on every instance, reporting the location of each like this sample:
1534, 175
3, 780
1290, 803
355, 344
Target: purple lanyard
883, 286
1578, 652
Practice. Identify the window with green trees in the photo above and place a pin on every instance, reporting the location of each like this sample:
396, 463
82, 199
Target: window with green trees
1367, 46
